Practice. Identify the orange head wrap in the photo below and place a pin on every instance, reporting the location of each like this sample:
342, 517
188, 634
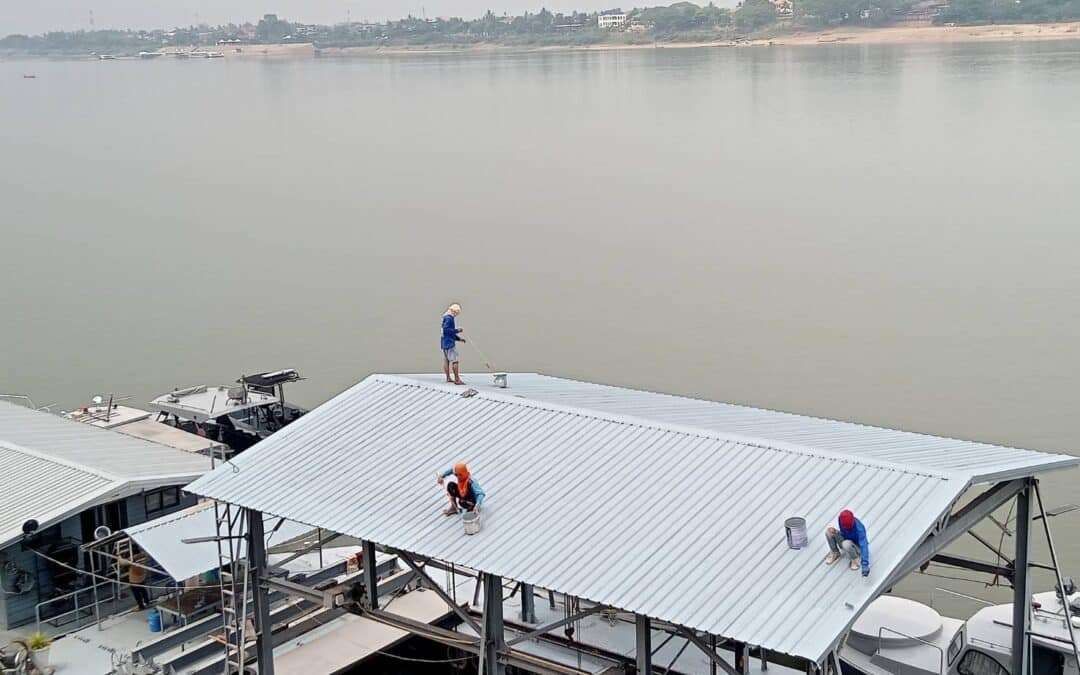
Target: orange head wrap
462, 473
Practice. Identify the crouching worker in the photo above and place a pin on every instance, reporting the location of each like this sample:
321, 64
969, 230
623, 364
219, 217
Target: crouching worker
464, 491
850, 541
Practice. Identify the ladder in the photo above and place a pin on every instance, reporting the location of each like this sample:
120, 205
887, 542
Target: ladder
124, 553
233, 580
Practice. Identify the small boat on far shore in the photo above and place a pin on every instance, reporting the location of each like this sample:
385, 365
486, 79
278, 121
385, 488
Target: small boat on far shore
29, 77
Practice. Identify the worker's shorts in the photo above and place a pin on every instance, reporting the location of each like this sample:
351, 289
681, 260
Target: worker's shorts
462, 502
450, 355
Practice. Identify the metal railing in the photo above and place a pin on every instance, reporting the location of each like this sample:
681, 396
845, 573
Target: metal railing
941, 652
86, 606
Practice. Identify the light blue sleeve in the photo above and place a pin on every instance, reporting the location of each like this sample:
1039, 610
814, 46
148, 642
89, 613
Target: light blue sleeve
448, 472
864, 548
480, 494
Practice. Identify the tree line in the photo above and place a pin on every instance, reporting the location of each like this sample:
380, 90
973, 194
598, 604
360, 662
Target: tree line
681, 21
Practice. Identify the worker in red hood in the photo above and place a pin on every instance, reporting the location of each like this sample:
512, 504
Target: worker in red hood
850, 541
464, 491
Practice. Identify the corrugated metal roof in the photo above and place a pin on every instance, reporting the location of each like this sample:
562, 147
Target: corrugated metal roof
679, 523
44, 489
163, 539
97, 449
983, 462
63, 467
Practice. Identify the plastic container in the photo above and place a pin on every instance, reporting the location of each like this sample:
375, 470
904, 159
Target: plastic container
154, 619
471, 521
795, 530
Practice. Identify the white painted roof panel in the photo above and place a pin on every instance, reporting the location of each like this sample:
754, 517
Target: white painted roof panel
679, 523
44, 489
100, 450
163, 539
55, 467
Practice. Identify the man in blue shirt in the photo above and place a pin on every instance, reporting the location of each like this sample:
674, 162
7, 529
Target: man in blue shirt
851, 538
450, 337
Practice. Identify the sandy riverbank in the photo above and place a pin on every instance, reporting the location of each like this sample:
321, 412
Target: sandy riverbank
926, 33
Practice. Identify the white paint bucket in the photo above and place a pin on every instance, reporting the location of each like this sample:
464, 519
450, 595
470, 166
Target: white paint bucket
471, 521
795, 530
501, 380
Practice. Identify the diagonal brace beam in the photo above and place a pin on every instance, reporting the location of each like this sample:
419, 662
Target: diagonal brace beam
959, 523
552, 626
700, 644
462, 614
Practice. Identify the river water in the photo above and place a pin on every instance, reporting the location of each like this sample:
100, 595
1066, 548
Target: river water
885, 234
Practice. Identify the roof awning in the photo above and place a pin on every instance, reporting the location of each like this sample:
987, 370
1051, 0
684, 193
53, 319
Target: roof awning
163, 539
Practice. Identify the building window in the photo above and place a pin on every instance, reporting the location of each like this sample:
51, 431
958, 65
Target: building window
160, 500
977, 663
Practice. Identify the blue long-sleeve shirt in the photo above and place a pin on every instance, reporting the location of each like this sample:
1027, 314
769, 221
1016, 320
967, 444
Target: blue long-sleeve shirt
857, 534
449, 331
473, 485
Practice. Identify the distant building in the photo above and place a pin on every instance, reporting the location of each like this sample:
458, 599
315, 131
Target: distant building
612, 18
784, 8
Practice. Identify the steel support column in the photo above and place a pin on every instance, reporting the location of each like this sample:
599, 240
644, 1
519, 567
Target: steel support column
264, 644
493, 641
712, 648
528, 604
644, 644
1021, 620
371, 577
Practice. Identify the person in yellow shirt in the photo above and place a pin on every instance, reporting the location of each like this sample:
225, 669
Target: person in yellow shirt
137, 577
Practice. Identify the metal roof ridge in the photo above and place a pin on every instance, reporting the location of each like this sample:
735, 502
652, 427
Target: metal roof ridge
71, 464
752, 441
817, 418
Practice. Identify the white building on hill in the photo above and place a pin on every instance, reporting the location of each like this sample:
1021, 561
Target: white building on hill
615, 18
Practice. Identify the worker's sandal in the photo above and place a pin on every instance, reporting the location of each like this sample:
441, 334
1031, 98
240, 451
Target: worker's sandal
831, 558
855, 562
449, 511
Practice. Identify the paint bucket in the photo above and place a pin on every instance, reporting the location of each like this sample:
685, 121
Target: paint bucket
501, 380
471, 521
795, 530
154, 619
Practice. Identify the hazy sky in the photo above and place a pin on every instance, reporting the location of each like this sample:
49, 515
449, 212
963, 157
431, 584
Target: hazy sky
36, 16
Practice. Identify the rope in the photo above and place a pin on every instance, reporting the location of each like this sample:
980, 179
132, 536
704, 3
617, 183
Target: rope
970, 581
460, 659
487, 362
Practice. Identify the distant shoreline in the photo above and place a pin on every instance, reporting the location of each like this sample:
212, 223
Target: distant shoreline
908, 33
